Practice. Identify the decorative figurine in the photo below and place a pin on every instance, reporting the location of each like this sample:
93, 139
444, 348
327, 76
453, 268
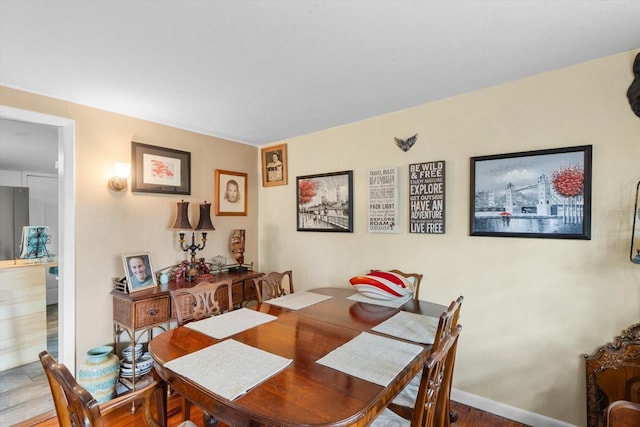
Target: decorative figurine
405, 145
236, 244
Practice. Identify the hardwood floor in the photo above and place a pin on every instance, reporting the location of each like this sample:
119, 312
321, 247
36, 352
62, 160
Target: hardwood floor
467, 417
24, 391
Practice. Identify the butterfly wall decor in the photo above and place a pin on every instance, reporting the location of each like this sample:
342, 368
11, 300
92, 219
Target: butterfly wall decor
405, 145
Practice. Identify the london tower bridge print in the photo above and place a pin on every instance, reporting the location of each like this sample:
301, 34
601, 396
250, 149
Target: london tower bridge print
533, 194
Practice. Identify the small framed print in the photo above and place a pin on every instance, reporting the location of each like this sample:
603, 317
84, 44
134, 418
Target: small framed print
542, 194
138, 271
325, 202
274, 165
160, 170
231, 193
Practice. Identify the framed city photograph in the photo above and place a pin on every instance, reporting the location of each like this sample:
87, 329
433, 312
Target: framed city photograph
274, 165
160, 170
138, 271
325, 202
231, 193
542, 194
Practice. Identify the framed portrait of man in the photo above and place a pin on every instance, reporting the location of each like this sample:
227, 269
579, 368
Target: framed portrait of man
138, 271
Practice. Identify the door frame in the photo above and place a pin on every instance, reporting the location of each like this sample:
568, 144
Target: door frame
66, 226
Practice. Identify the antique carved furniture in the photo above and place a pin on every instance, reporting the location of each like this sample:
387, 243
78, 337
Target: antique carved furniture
623, 413
138, 313
432, 386
613, 373
197, 303
76, 407
200, 301
414, 279
273, 285
305, 392
405, 402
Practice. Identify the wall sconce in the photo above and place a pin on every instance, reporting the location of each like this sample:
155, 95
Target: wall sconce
204, 224
119, 181
636, 214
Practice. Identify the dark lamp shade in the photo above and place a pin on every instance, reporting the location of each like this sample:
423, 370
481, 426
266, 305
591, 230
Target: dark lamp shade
204, 222
182, 219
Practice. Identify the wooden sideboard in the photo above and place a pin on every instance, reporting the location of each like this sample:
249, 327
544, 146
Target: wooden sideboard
613, 373
140, 312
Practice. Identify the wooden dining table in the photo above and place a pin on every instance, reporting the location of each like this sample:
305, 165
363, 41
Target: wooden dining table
305, 393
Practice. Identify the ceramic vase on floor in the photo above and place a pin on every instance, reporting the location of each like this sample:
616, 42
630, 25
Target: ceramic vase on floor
99, 373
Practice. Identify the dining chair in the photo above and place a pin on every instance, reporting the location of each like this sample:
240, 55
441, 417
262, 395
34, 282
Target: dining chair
273, 285
75, 406
432, 382
414, 278
199, 302
403, 404
623, 413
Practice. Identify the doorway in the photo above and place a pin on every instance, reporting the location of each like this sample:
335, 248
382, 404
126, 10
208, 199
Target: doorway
66, 225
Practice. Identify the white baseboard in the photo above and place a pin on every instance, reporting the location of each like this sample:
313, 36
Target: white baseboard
506, 411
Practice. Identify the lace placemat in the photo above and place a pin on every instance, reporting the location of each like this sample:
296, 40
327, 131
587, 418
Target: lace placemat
372, 358
230, 323
395, 302
229, 368
298, 300
410, 326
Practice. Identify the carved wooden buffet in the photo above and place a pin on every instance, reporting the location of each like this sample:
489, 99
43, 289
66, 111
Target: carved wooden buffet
140, 312
613, 373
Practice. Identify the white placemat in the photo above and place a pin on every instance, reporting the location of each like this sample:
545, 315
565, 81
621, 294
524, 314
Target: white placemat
298, 300
395, 303
372, 358
229, 368
410, 326
230, 323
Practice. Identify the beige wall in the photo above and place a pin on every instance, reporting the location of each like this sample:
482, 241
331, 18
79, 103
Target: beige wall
532, 306
110, 224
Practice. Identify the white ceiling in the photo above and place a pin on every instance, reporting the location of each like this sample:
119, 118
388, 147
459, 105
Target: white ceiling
261, 71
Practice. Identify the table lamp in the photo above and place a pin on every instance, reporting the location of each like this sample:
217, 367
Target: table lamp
204, 224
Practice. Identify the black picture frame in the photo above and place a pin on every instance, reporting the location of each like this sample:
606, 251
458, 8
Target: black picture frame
324, 202
160, 170
537, 194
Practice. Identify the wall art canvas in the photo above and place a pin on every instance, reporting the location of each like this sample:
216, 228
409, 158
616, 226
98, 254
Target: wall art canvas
426, 197
543, 194
383, 201
325, 202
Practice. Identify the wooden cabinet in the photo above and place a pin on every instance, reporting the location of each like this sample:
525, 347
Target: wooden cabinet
139, 313
613, 373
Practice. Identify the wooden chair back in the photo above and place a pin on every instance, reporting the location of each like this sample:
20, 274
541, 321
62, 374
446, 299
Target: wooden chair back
415, 278
623, 413
203, 300
447, 325
273, 285
446, 415
76, 407
432, 383
448, 322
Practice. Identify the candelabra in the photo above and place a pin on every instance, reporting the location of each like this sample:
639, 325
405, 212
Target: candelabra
204, 224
